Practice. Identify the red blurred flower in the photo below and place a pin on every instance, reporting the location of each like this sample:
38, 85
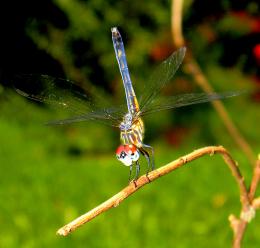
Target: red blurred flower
256, 52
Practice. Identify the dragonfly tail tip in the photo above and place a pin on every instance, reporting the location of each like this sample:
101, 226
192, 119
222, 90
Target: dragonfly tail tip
114, 30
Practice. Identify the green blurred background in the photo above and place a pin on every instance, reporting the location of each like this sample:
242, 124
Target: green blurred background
50, 175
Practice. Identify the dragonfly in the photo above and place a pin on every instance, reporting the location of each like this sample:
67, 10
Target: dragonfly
127, 117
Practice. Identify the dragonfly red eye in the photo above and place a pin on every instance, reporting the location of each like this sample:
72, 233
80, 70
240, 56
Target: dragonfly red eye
120, 149
129, 149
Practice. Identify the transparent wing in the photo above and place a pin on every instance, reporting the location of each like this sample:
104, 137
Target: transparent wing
61, 93
185, 100
108, 116
160, 77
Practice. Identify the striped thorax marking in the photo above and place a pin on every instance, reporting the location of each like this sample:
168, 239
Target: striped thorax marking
132, 132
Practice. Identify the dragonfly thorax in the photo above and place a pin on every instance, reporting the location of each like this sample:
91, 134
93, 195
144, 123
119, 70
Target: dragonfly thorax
132, 130
126, 124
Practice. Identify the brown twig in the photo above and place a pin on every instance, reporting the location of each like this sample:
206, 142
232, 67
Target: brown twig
239, 225
255, 179
195, 71
176, 23
143, 180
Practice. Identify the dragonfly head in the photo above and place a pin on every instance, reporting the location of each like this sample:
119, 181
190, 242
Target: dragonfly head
127, 122
127, 154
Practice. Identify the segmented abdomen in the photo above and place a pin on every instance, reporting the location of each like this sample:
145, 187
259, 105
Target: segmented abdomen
134, 135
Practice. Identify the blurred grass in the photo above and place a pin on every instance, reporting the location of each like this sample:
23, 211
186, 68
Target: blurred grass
44, 185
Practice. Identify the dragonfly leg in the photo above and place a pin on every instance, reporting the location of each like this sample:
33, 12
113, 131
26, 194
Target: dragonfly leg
145, 153
150, 151
130, 173
137, 170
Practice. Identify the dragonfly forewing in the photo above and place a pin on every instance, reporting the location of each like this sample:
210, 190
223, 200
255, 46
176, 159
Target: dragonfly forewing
60, 93
177, 101
160, 77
